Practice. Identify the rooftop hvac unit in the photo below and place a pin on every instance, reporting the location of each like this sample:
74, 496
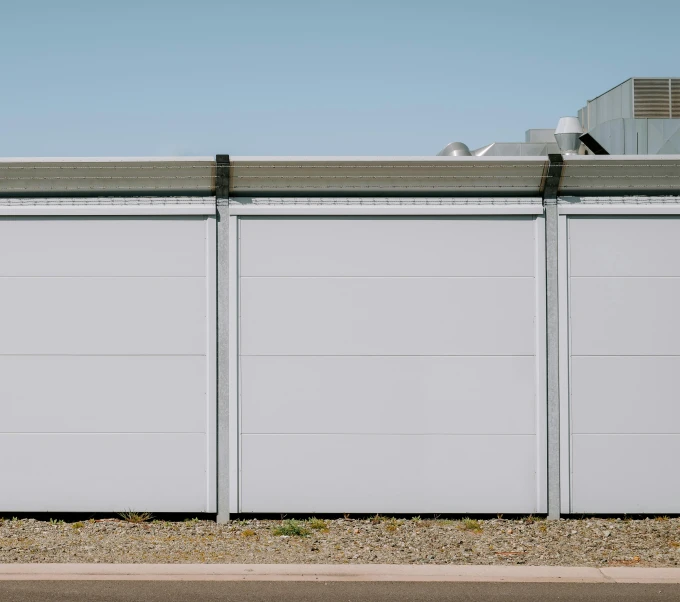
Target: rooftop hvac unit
655, 98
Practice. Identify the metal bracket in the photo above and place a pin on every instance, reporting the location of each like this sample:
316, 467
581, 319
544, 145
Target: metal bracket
222, 177
553, 178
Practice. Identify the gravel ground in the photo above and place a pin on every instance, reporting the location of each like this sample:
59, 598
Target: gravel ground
529, 541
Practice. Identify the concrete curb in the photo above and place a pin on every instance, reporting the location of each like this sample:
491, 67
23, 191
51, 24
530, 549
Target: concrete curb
333, 572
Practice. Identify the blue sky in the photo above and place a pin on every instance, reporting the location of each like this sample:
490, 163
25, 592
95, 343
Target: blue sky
295, 77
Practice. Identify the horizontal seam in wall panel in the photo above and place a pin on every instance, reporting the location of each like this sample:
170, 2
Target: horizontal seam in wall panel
243, 277
388, 211
625, 355
355, 434
573, 276
531, 277
38, 433
380, 355
100, 277
102, 354
652, 434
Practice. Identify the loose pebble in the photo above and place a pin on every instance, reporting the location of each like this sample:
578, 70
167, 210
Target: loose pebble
570, 542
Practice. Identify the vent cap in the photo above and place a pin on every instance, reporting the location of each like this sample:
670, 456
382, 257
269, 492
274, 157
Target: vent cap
656, 98
455, 149
568, 134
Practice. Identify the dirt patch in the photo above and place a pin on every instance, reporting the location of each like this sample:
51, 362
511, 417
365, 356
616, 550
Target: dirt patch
584, 542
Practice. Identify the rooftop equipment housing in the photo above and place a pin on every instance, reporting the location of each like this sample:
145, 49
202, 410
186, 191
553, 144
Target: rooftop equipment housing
568, 134
640, 116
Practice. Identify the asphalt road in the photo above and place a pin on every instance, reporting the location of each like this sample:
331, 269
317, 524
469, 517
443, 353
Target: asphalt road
259, 591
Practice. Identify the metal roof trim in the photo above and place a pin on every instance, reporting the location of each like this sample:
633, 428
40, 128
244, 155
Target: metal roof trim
396, 201
108, 206
386, 176
107, 159
386, 206
605, 175
383, 159
66, 177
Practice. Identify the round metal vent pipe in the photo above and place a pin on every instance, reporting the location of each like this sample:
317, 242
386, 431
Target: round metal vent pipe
455, 149
568, 134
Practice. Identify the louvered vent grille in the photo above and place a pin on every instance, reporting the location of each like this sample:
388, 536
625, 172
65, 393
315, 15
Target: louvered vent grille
675, 98
652, 98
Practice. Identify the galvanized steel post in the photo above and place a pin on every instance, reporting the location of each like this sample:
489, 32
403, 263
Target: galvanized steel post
222, 202
550, 190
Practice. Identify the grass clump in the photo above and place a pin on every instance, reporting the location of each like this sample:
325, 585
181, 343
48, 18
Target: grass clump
470, 524
393, 524
317, 524
77, 525
531, 519
291, 528
248, 533
135, 517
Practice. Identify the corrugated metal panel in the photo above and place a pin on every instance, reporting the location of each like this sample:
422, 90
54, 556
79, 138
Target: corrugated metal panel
253, 176
675, 98
110, 186
108, 176
603, 175
651, 98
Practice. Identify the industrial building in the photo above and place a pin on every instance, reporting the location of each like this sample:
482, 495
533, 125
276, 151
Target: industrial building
640, 116
464, 333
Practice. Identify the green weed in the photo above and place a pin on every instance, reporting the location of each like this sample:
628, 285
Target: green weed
317, 524
470, 524
291, 528
135, 517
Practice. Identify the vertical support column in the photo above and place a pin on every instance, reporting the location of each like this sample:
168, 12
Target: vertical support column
552, 331
222, 199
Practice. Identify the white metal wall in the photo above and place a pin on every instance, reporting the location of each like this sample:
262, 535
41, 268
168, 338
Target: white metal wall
391, 364
621, 406
106, 363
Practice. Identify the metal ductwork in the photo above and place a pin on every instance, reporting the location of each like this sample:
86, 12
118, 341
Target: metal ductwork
568, 135
455, 149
